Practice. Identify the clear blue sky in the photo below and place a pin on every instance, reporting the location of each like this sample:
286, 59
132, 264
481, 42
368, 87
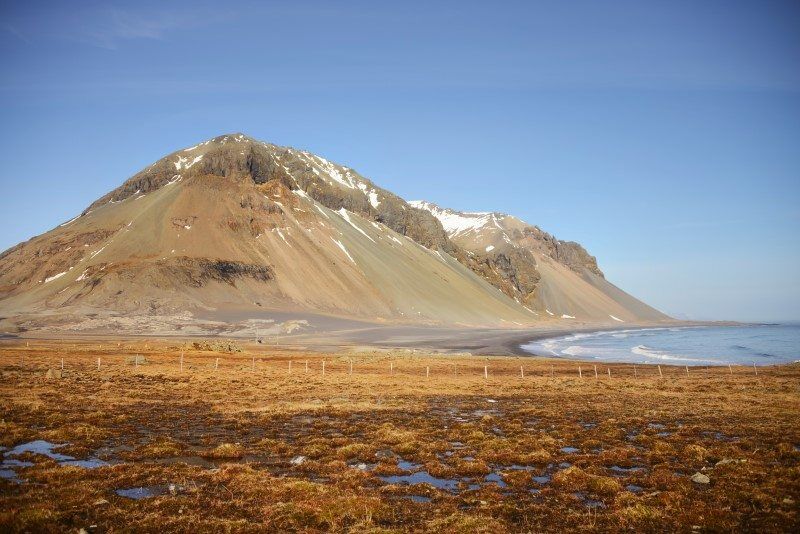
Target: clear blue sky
664, 136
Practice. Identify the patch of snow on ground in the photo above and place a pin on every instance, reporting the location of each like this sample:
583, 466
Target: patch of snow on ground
346, 217
616, 319
282, 236
341, 246
301, 193
549, 312
565, 316
195, 160
329, 169
373, 199
96, 252
321, 211
70, 221
56, 276
490, 248
455, 222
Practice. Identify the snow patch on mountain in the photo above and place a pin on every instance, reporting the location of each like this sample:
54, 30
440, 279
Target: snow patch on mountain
455, 222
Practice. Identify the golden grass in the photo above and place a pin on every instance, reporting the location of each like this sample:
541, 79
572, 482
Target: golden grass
225, 437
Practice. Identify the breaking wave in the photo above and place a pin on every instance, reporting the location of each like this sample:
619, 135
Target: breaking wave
746, 345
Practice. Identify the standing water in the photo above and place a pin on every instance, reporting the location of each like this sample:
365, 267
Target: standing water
738, 345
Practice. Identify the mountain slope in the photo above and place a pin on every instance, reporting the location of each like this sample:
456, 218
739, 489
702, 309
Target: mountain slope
233, 222
560, 278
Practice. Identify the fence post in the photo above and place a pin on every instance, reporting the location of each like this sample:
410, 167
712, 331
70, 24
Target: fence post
253, 365
290, 366
486, 372
609, 372
323, 367
730, 368
427, 372
216, 364
521, 372
635, 375
306, 366
659, 372
181, 360
755, 368
595, 372
391, 368
98, 364
580, 373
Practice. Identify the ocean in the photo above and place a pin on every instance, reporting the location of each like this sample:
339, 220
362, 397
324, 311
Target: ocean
700, 345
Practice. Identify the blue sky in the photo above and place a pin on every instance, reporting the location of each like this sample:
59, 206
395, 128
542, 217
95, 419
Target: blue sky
664, 136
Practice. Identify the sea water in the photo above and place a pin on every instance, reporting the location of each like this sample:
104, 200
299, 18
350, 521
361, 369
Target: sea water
703, 345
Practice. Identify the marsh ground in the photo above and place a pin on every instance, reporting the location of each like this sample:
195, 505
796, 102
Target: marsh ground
406, 442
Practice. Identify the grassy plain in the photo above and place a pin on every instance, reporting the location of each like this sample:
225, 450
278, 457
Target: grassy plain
405, 442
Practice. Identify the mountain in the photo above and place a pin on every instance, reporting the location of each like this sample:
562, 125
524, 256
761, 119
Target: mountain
552, 277
237, 224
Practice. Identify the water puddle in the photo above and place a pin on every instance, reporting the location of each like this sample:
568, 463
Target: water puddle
40, 446
633, 488
626, 470
495, 478
418, 498
143, 492
188, 460
9, 465
408, 466
570, 450
589, 503
542, 480
422, 477
361, 466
